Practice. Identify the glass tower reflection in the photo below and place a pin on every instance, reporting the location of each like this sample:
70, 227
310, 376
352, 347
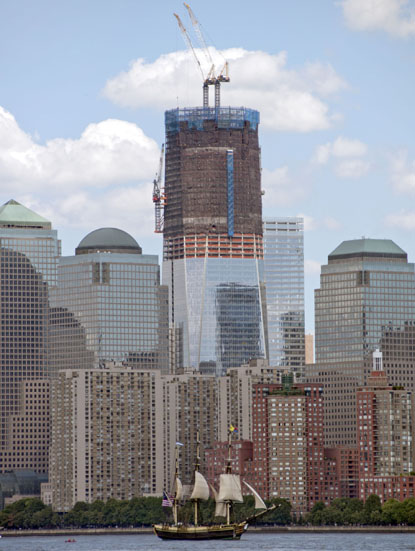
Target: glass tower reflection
284, 280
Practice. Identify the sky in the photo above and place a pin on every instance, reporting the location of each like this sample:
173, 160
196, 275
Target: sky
84, 86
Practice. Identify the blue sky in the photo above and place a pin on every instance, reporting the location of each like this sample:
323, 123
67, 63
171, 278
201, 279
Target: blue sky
83, 87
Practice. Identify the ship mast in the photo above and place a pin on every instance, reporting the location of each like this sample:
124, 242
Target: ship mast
197, 469
229, 471
177, 488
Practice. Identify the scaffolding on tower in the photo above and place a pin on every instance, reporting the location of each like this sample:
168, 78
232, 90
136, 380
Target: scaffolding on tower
159, 197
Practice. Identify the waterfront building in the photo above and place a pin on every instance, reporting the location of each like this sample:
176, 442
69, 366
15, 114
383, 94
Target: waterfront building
212, 237
190, 408
288, 442
114, 292
106, 435
385, 428
284, 284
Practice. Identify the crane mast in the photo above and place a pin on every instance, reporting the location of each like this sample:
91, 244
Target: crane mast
212, 79
159, 198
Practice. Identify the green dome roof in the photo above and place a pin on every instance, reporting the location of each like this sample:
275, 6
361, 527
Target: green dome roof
15, 215
385, 248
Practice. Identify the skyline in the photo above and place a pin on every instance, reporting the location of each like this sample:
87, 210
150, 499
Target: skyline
79, 140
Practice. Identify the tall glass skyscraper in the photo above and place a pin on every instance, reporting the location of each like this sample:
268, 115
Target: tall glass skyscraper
29, 250
367, 290
213, 252
114, 292
284, 283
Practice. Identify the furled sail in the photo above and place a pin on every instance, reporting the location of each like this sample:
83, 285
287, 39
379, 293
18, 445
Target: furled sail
179, 489
259, 503
201, 488
230, 488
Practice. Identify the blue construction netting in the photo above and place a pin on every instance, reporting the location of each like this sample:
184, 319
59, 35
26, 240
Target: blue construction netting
229, 170
225, 117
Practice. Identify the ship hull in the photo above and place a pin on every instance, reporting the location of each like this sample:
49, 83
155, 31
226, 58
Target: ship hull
218, 531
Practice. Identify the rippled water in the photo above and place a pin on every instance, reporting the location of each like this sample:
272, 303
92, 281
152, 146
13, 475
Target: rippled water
249, 542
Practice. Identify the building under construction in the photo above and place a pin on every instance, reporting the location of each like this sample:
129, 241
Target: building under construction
213, 235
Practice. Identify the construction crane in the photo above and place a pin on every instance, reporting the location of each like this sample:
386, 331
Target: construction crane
159, 198
211, 78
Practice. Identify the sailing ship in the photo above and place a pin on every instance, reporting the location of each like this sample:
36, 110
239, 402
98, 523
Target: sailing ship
230, 492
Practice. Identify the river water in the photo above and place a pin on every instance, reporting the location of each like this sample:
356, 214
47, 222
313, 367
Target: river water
249, 542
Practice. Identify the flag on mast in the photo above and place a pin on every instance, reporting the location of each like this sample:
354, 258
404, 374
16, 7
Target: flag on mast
167, 501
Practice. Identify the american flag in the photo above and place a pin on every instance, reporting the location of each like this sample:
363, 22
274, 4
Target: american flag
166, 502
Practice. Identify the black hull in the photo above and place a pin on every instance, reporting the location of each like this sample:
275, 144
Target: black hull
214, 532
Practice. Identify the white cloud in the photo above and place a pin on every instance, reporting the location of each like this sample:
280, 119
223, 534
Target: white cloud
404, 220
341, 147
352, 169
289, 100
280, 189
104, 176
396, 17
312, 267
346, 153
129, 208
403, 173
107, 152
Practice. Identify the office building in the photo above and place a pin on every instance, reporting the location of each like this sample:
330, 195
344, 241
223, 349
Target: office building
284, 284
366, 301
114, 292
366, 289
212, 237
106, 435
29, 251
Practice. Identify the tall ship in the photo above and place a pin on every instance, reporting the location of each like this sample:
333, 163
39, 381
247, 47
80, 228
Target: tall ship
230, 492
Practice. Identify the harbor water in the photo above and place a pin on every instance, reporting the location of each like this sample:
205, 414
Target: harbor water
258, 542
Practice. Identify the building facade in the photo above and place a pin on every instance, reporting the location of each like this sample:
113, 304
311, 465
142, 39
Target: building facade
385, 428
213, 250
113, 291
288, 442
366, 301
106, 435
366, 289
284, 283
29, 250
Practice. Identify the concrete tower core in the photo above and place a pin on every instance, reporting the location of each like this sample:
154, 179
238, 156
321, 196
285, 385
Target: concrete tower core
213, 236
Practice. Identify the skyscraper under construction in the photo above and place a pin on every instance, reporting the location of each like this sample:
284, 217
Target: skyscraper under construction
212, 232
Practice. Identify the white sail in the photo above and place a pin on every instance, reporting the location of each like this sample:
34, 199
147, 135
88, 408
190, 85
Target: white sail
220, 508
230, 488
179, 489
201, 488
259, 503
